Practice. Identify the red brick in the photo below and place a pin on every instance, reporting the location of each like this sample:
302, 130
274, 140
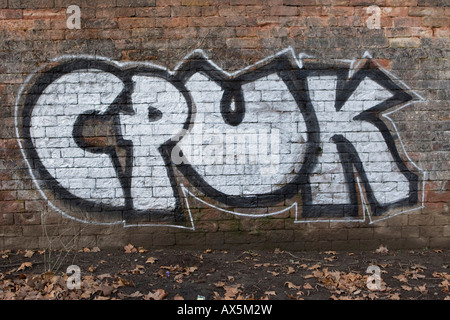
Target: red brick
172, 22
206, 22
436, 21
44, 14
131, 23
195, 2
284, 11
425, 11
433, 196
11, 206
11, 14
154, 12
407, 22
441, 33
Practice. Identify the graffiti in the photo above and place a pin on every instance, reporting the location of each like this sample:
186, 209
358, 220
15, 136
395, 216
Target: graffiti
135, 143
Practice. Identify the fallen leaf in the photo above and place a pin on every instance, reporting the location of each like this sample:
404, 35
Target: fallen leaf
232, 291
142, 250
95, 249
290, 285
136, 294
401, 278
314, 267
406, 288
443, 275
270, 293
106, 289
373, 296
382, 249
220, 284
290, 270
138, 270
178, 297
151, 260
395, 296
125, 283
422, 289
28, 253
158, 294
307, 286
103, 276
25, 265
129, 248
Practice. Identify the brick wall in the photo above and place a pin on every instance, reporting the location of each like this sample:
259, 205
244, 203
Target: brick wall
224, 124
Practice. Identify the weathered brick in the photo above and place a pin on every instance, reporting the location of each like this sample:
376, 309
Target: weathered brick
11, 14
136, 3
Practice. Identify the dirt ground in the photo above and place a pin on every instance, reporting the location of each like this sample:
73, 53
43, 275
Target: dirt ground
146, 274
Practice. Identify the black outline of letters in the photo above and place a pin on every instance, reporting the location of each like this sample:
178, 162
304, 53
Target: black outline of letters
295, 79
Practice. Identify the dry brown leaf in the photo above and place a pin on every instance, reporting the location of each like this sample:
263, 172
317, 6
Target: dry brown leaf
406, 288
395, 296
103, 276
179, 278
124, 283
307, 286
129, 248
24, 265
290, 285
442, 275
157, 294
28, 253
220, 284
106, 289
151, 260
270, 293
422, 289
401, 278
136, 294
95, 249
382, 249
232, 291
190, 270
178, 297
290, 270
138, 270
314, 267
